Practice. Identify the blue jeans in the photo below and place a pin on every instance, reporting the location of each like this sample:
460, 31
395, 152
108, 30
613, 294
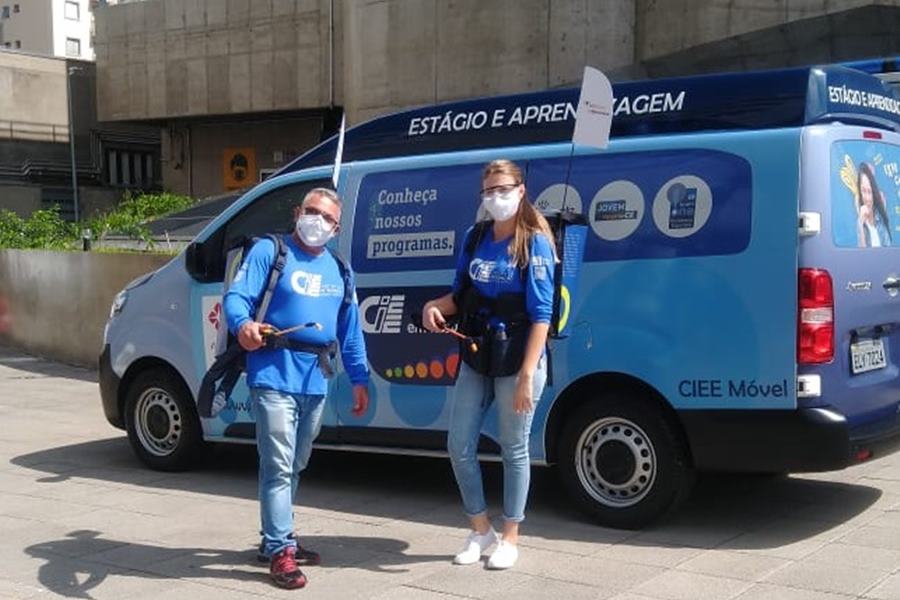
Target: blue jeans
286, 425
471, 398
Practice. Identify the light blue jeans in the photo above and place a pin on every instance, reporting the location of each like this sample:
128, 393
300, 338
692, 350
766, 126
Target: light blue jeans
471, 398
286, 426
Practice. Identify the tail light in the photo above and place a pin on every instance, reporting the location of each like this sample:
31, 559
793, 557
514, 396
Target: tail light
815, 330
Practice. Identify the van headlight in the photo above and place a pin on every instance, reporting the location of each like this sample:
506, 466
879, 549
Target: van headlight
118, 303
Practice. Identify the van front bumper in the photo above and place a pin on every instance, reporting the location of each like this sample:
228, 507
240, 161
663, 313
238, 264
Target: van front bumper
783, 441
109, 389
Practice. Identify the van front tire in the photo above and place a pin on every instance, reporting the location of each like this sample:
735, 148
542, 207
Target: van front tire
161, 421
622, 461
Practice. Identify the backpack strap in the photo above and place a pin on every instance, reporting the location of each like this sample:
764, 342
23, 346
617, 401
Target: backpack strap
346, 275
278, 263
469, 246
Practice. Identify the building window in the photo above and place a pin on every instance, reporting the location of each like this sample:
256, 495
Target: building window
7, 45
72, 11
73, 47
130, 168
5, 13
15, 8
18, 43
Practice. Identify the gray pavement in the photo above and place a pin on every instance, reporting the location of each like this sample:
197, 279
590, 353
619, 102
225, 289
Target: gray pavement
80, 518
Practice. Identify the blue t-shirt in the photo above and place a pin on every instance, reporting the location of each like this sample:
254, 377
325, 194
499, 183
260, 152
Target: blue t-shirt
493, 272
310, 289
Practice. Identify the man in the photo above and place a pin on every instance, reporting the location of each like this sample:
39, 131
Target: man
287, 373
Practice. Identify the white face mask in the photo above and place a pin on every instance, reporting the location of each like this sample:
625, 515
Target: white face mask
313, 230
502, 206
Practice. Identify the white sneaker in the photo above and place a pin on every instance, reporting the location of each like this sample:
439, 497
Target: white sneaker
475, 546
504, 556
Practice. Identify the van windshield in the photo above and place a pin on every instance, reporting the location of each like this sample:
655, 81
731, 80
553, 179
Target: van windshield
865, 193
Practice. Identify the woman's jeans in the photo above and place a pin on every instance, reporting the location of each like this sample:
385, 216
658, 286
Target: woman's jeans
286, 425
471, 398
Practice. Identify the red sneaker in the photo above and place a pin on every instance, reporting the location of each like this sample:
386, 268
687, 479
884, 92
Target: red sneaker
284, 570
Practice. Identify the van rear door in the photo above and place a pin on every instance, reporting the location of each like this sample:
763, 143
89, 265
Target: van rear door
851, 178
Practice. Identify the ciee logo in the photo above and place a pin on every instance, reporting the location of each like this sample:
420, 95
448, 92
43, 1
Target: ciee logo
387, 314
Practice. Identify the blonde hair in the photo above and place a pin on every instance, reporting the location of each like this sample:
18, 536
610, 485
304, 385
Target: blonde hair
528, 220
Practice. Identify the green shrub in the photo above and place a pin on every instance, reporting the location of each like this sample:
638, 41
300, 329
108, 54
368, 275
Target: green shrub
46, 229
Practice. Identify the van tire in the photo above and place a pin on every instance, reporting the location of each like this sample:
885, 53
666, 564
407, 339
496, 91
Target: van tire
645, 473
161, 421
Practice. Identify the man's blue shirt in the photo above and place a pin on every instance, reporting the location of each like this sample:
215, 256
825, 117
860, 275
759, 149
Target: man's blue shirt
310, 289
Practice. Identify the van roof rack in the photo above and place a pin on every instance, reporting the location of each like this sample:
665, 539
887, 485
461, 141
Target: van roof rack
720, 102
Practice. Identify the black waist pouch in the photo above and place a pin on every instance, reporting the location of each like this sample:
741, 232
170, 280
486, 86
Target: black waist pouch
496, 356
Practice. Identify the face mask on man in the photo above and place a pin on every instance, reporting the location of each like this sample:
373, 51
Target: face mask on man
314, 230
502, 206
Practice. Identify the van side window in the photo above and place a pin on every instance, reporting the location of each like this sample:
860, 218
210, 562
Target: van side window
270, 213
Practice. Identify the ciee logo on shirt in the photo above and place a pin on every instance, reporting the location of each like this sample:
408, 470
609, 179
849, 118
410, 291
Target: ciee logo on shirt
306, 284
486, 271
388, 313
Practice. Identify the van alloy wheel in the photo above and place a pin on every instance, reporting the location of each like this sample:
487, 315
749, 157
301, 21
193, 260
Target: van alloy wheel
616, 462
158, 422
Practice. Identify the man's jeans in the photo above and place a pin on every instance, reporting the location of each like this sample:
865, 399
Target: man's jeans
471, 398
286, 425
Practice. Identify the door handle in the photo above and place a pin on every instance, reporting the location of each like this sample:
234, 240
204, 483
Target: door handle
892, 285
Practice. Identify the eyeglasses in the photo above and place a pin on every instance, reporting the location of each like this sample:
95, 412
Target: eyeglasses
310, 210
499, 189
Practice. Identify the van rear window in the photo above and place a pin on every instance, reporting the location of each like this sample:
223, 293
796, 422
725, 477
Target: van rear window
865, 194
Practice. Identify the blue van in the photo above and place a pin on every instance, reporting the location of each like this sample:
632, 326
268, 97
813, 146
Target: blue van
737, 305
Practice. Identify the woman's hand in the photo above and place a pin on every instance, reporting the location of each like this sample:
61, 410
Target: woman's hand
432, 319
523, 401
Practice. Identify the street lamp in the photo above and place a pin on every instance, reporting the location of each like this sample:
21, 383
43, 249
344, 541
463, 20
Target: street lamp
70, 70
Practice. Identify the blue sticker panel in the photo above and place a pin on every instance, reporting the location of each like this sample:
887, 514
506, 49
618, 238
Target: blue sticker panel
655, 204
865, 193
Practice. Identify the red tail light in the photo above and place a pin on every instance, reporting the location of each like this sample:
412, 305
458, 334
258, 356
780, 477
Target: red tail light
815, 330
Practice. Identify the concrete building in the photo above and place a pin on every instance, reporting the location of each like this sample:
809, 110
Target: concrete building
241, 86
39, 141
49, 27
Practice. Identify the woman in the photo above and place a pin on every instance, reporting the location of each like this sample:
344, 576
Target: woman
503, 291
872, 225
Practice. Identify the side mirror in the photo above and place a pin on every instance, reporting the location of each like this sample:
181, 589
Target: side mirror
195, 261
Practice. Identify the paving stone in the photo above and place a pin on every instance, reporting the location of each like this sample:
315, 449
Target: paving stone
735, 565
679, 585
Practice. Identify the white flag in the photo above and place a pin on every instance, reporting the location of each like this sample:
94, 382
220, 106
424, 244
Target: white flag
340, 152
593, 116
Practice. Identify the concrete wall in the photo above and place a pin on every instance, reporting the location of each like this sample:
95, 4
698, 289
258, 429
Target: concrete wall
201, 57
34, 91
56, 303
667, 26
21, 199
398, 53
192, 152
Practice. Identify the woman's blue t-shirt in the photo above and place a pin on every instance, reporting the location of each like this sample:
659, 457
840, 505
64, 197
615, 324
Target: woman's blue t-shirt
493, 272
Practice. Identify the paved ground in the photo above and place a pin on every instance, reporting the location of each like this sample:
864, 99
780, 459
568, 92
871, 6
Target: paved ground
80, 518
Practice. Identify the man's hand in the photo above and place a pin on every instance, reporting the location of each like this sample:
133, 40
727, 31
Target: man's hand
360, 400
250, 337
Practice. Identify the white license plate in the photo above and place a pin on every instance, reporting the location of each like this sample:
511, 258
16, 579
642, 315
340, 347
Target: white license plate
867, 355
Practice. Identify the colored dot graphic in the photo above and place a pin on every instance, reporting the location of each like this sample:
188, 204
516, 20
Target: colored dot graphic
435, 369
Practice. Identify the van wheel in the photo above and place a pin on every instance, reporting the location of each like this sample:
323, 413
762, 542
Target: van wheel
622, 462
161, 421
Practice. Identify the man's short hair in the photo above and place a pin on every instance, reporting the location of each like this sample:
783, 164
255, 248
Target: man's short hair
325, 193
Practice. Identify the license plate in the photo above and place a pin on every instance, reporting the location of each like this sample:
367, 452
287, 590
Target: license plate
867, 355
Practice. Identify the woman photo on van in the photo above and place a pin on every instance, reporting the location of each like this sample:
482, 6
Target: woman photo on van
502, 295
873, 227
